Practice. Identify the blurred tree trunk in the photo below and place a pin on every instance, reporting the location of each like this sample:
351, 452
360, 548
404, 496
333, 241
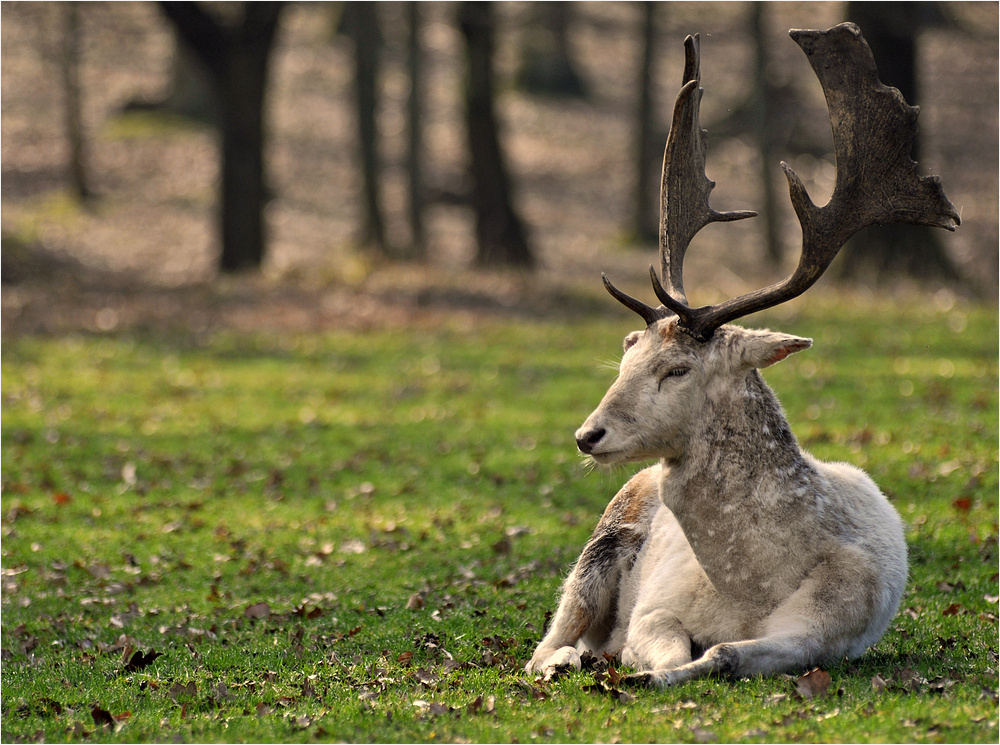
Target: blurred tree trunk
501, 237
766, 129
645, 220
415, 134
892, 30
236, 55
70, 68
547, 66
190, 93
360, 22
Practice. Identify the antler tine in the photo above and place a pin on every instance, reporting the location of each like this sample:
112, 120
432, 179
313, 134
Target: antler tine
649, 314
684, 188
877, 181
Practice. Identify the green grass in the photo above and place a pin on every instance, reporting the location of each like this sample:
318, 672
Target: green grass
406, 502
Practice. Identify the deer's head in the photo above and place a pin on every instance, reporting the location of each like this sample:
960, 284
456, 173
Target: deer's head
686, 353
665, 382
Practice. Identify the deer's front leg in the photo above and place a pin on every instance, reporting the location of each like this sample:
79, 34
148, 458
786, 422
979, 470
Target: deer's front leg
588, 605
656, 641
588, 608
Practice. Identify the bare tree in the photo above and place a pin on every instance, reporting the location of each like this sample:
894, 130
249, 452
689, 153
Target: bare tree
360, 22
547, 66
415, 134
764, 116
645, 224
235, 53
70, 69
501, 237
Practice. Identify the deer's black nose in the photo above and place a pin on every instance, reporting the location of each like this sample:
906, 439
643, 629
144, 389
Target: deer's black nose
587, 441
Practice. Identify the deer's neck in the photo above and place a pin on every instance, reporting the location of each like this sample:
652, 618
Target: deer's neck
739, 488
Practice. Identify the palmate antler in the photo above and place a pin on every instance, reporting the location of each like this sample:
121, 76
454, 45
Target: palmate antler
877, 181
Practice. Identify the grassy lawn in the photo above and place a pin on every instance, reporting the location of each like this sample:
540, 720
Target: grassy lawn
358, 537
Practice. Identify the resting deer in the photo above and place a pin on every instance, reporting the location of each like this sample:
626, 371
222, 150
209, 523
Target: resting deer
738, 553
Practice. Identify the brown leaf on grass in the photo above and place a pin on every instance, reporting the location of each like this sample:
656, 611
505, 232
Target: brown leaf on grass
99, 571
263, 709
503, 546
404, 658
102, 718
309, 614
123, 642
140, 661
952, 610
531, 691
909, 679
258, 610
426, 677
940, 685
45, 704
451, 665
416, 602
61, 498
814, 684
182, 690
703, 735
78, 730
879, 683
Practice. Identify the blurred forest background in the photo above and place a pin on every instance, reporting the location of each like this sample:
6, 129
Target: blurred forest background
310, 165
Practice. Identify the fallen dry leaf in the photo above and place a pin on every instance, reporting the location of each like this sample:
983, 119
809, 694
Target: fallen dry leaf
427, 678
221, 693
814, 684
102, 718
415, 602
140, 661
258, 610
909, 679
182, 690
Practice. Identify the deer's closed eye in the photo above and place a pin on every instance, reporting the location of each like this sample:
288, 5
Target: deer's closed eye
674, 372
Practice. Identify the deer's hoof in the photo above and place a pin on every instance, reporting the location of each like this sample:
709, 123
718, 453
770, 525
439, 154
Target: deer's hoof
562, 660
639, 680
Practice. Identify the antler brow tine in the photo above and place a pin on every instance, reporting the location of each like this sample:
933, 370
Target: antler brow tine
649, 314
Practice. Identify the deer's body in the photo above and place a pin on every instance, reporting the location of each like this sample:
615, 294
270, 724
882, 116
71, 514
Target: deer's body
737, 542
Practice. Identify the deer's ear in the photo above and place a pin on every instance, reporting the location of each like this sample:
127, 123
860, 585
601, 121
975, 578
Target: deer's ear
631, 339
764, 348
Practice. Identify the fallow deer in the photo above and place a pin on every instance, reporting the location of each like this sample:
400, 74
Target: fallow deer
738, 553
